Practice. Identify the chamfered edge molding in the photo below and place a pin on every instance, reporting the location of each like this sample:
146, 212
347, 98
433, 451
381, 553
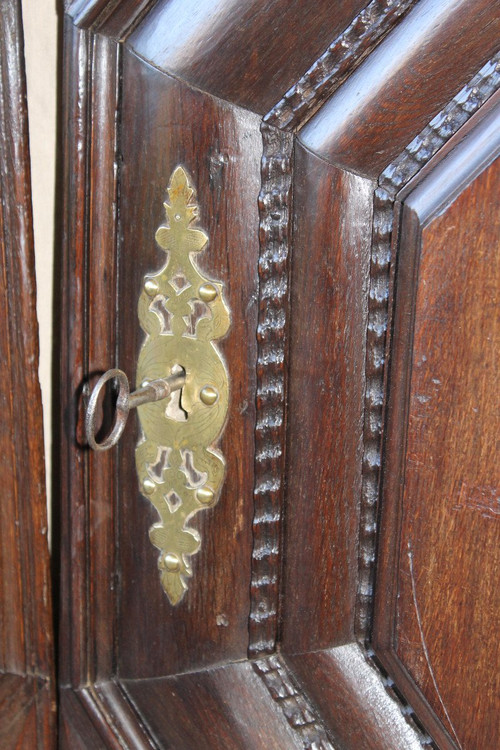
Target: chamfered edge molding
115, 18
376, 92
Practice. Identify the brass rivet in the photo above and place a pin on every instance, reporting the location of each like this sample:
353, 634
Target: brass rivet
172, 562
207, 292
151, 287
205, 495
148, 486
209, 395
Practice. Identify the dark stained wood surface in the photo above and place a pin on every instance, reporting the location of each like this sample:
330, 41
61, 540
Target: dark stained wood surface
452, 471
100, 339
442, 440
117, 625
27, 708
342, 56
275, 231
24, 705
404, 83
88, 215
227, 707
353, 700
69, 502
333, 211
113, 19
77, 730
246, 53
220, 147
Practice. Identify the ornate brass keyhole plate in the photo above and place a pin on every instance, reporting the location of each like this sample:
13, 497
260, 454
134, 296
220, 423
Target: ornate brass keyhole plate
182, 313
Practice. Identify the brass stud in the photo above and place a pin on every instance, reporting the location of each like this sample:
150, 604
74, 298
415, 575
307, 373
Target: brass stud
207, 292
151, 287
148, 486
172, 562
205, 495
209, 395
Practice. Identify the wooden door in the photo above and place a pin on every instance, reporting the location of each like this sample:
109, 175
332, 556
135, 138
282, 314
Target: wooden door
27, 686
343, 157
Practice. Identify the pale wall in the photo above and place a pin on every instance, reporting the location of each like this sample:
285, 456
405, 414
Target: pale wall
40, 33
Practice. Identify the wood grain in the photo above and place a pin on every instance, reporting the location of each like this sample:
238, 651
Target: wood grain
23, 712
341, 57
295, 705
320, 536
407, 80
77, 731
114, 19
70, 490
101, 336
86, 509
440, 136
27, 708
227, 707
352, 699
246, 53
326, 382
222, 154
436, 600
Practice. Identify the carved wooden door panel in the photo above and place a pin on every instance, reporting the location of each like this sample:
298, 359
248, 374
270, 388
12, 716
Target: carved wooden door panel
333, 585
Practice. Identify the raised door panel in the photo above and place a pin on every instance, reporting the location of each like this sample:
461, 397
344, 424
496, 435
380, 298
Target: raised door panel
219, 146
437, 605
298, 178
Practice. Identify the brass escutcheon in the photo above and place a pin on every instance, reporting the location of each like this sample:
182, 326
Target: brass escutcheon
182, 394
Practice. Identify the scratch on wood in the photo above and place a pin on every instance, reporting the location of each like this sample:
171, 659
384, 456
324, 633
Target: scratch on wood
405, 166
485, 500
424, 644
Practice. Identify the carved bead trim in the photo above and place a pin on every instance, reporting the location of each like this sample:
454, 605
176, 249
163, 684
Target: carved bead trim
390, 687
456, 113
297, 709
374, 399
423, 147
275, 209
344, 53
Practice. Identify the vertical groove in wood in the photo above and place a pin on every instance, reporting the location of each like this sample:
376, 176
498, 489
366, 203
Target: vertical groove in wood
89, 239
275, 212
71, 343
73, 350
102, 266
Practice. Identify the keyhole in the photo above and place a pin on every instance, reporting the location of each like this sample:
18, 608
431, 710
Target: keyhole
174, 408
